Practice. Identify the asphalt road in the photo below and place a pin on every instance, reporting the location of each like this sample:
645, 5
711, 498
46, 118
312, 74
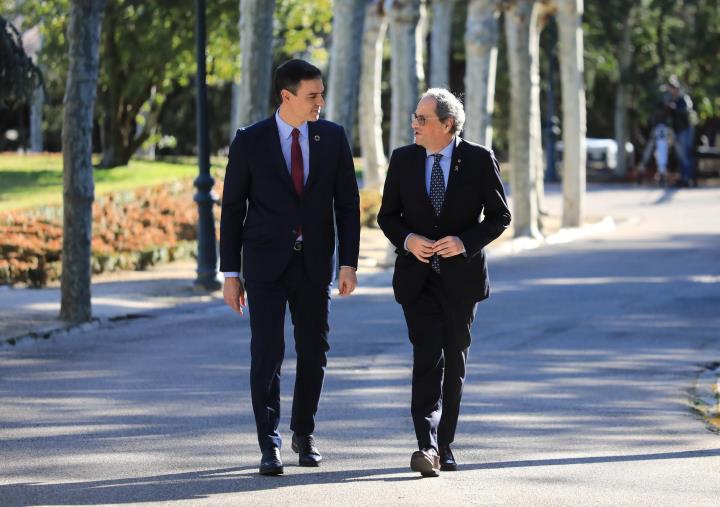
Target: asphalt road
577, 389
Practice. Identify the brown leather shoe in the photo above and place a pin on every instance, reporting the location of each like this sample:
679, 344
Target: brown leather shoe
447, 460
426, 461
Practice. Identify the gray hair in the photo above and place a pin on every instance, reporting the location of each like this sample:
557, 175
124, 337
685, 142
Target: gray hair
448, 106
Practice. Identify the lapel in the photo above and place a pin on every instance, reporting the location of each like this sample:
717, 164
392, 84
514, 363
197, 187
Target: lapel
454, 176
419, 170
315, 146
277, 160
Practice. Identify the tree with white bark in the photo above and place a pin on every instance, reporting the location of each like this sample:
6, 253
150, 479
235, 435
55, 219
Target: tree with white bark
440, 42
251, 94
370, 117
569, 18
481, 39
345, 62
83, 37
520, 32
624, 55
404, 19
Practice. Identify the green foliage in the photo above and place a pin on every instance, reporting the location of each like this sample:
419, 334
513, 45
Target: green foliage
680, 37
302, 29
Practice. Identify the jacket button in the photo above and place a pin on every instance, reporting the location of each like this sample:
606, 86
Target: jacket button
294, 232
435, 226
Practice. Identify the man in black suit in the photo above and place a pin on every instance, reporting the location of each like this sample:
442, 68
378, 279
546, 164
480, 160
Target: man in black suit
443, 203
290, 182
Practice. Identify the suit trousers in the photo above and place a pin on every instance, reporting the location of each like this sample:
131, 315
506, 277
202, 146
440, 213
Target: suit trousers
438, 365
309, 306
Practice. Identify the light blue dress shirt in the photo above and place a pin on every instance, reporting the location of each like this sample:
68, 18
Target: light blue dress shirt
445, 161
285, 131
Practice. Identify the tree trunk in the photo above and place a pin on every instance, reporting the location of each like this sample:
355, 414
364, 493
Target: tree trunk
371, 142
625, 60
520, 28
36, 111
234, 111
256, 37
405, 78
440, 43
36, 120
569, 18
78, 188
345, 55
481, 35
541, 19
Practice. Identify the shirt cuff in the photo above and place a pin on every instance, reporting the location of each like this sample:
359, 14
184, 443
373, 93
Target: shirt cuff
405, 242
351, 267
231, 274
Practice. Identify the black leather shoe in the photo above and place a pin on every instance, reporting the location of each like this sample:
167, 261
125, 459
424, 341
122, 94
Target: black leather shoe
305, 447
271, 464
447, 460
426, 461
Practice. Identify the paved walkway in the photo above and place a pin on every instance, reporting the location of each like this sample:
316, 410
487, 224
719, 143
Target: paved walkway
577, 392
33, 313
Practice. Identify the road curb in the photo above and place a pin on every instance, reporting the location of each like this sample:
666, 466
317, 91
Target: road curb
564, 235
705, 395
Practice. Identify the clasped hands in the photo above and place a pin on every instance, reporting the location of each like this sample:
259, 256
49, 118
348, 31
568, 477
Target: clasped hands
423, 248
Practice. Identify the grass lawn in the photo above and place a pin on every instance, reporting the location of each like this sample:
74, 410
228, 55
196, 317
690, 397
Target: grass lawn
28, 181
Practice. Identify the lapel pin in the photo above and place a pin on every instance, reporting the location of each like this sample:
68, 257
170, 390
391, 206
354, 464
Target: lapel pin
317, 137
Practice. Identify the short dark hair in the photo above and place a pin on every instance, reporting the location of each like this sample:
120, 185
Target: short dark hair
289, 74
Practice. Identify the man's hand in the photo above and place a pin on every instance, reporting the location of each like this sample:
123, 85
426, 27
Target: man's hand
420, 247
234, 294
347, 281
449, 246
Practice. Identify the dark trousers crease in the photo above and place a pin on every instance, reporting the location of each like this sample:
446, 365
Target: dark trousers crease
309, 306
435, 324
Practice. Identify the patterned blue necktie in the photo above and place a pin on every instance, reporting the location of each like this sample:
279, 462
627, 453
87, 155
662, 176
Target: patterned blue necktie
437, 196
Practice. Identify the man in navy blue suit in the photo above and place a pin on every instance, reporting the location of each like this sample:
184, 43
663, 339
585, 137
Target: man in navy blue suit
290, 183
443, 203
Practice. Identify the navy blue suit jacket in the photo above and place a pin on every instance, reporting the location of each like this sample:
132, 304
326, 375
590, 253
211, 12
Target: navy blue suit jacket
261, 211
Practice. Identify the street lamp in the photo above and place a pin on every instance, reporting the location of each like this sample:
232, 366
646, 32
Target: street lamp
205, 197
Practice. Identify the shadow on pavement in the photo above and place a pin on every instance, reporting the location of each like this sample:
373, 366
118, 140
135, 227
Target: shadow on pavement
203, 483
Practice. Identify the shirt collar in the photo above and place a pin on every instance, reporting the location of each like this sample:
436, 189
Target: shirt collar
447, 151
285, 129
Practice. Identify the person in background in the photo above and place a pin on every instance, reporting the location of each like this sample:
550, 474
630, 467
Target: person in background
681, 114
661, 140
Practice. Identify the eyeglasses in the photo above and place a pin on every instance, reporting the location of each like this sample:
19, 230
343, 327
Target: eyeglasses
420, 119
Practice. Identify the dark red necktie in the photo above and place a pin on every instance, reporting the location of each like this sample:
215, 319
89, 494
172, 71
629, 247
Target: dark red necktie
296, 168
296, 163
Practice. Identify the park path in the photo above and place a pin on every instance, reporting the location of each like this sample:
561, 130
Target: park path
577, 391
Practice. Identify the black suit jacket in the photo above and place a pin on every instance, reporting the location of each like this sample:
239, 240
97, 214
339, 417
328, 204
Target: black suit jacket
474, 187
261, 211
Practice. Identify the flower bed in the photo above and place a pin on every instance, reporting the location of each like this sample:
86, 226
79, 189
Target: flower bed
131, 230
